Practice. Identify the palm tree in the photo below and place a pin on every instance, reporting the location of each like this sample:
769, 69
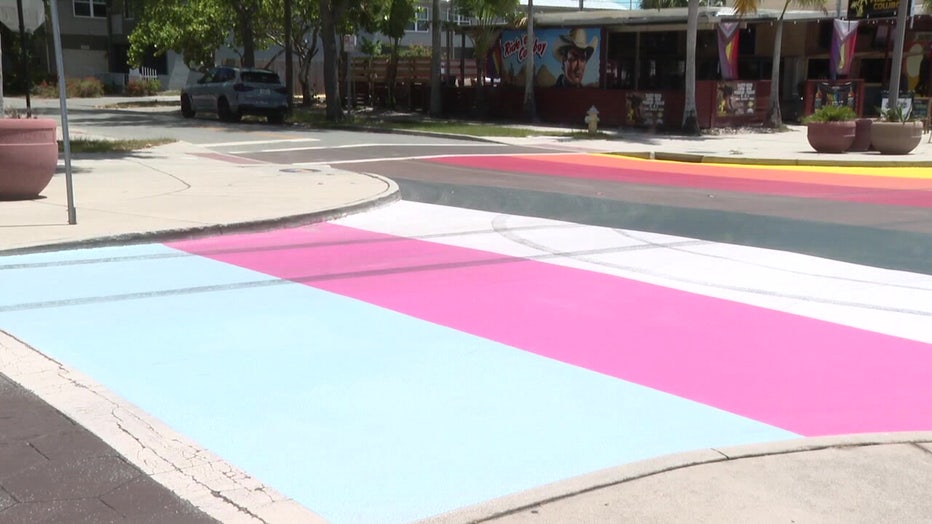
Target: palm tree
744, 7
690, 115
530, 105
489, 17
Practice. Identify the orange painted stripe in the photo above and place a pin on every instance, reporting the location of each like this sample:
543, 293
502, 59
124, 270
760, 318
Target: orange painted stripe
809, 176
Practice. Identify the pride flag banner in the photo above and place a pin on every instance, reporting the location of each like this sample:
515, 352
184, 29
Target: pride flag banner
728, 49
843, 40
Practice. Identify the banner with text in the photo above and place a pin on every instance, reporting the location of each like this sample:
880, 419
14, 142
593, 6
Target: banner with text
874, 9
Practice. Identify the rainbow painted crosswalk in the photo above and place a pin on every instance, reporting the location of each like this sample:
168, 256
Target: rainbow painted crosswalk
407, 361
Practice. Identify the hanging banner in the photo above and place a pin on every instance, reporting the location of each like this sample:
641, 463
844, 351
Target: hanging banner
562, 57
843, 40
728, 33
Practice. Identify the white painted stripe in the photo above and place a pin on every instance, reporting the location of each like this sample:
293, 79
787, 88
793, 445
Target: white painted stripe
354, 146
255, 142
886, 301
385, 159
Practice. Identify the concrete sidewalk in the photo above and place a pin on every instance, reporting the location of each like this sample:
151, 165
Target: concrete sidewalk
180, 190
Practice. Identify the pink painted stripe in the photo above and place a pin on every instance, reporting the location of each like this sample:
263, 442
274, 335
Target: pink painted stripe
804, 375
751, 184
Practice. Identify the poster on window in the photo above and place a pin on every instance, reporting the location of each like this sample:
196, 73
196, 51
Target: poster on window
836, 94
736, 99
644, 109
562, 57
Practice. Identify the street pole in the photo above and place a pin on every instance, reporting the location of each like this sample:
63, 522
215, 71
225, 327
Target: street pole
66, 140
2, 110
897, 66
25, 55
289, 68
436, 98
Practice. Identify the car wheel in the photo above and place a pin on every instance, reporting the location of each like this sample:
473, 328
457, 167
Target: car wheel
276, 118
225, 113
186, 110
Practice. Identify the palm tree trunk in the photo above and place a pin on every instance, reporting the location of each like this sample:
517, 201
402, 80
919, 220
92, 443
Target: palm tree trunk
774, 117
436, 101
690, 118
530, 106
331, 64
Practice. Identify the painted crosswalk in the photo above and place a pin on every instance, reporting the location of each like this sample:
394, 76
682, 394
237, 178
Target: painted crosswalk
407, 361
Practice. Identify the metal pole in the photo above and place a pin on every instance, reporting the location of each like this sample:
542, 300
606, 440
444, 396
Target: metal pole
66, 140
25, 57
2, 110
289, 67
436, 95
897, 66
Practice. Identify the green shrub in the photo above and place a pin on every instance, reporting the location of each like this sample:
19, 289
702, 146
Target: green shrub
896, 113
45, 89
831, 113
88, 87
142, 87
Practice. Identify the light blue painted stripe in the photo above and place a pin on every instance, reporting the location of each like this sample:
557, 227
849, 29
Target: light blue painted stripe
34, 280
359, 413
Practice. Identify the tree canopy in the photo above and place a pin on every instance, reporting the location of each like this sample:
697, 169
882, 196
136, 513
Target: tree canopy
198, 28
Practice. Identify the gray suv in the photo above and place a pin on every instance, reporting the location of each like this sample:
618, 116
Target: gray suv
232, 92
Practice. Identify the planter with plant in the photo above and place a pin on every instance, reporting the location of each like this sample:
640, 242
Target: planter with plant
896, 132
831, 128
28, 154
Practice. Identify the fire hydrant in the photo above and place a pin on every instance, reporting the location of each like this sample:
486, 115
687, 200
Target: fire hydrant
592, 118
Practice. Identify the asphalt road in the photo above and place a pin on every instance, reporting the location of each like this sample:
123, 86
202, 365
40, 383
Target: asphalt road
884, 234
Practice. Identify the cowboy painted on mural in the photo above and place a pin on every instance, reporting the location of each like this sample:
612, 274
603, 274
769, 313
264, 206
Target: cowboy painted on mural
573, 52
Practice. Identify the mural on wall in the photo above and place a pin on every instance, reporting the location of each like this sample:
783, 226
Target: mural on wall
562, 57
735, 99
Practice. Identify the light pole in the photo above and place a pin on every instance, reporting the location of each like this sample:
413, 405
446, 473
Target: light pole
289, 69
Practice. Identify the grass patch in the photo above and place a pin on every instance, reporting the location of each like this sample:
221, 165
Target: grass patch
91, 145
315, 117
143, 103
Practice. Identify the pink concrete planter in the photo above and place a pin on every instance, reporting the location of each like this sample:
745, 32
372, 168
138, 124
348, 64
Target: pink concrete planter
896, 138
831, 137
28, 156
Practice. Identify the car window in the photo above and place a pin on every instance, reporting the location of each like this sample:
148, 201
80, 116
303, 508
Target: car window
208, 77
260, 77
224, 75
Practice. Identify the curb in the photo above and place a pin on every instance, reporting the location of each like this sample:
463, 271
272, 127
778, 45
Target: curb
392, 194
714, 159
607, 478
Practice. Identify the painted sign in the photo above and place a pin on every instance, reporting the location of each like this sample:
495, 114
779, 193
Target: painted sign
836, 94
736, 99
874, 9
644, 109
562, 57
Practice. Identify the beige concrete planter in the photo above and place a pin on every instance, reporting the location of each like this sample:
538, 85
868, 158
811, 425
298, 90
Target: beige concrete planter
28, 156
831, 137
896, 138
